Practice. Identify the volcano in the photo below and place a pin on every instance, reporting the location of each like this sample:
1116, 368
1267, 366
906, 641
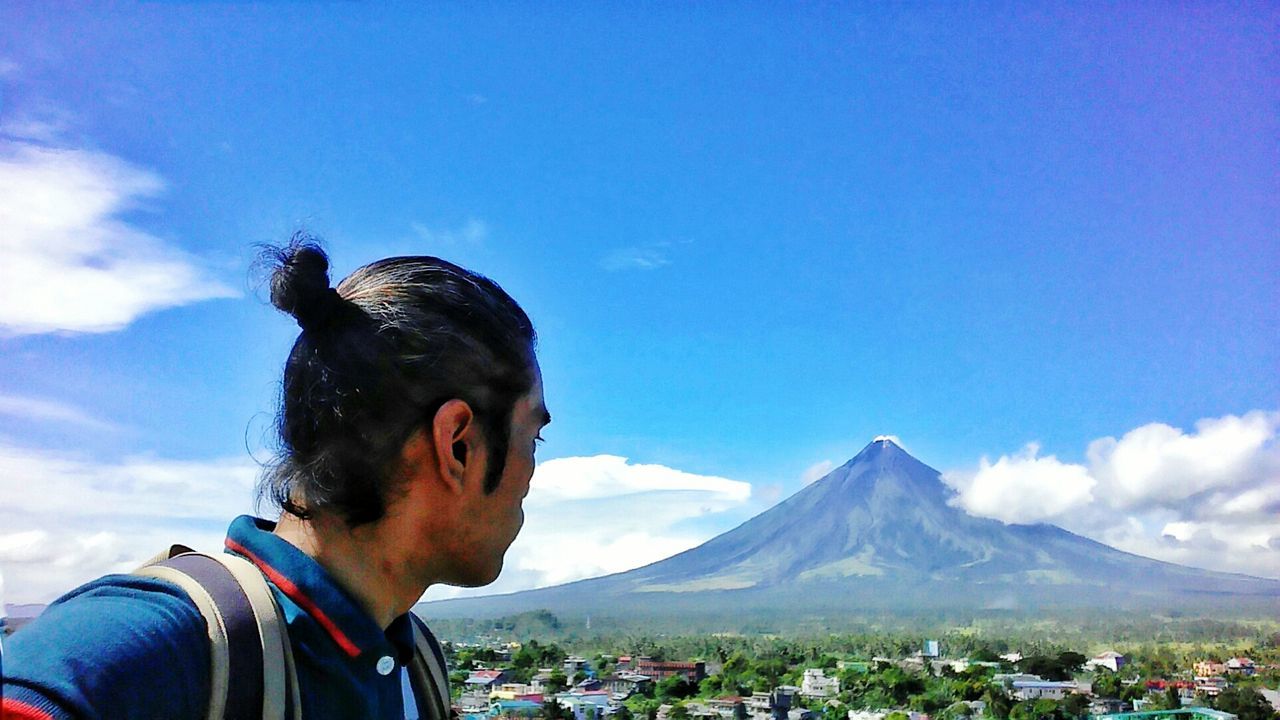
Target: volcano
880, 533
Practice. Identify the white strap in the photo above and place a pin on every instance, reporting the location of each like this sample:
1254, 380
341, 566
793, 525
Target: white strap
221, 661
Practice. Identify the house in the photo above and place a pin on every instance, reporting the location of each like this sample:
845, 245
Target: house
861, 667
1211, 686
1039, 689
540, 679
514, 709
585, 705
1108, 706
472, 703
1110, 660
816, 684
1007, 679
574, 665
485, 679
659, 670
1209, 668
625, 684
515, 691
1242, 665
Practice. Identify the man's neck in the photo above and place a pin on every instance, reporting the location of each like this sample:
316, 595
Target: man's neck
358, 560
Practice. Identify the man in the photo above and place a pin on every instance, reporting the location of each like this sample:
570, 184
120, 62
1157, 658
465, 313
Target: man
411, 408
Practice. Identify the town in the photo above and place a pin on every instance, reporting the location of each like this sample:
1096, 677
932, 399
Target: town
493, 678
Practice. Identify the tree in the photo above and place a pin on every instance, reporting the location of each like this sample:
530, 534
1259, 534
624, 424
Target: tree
679, 712
1049, 668
955, 711
552, 710
1042, 709
557, 682
1076, 705
623, 713
999, 705
1070, 661
1106, 684
1245, 703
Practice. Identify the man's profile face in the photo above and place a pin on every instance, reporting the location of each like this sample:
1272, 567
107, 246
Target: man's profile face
494, 519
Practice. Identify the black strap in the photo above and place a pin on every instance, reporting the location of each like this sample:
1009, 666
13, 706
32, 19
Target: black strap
244, 645
433, 702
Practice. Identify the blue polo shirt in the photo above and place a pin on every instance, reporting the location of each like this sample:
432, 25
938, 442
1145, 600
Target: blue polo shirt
125, 646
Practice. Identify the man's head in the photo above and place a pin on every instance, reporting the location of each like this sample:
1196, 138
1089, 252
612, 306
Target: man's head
376, 362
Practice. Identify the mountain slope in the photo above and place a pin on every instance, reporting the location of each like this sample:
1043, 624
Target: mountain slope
879, 532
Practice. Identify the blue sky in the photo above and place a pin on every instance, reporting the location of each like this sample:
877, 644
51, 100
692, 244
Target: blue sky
751, 240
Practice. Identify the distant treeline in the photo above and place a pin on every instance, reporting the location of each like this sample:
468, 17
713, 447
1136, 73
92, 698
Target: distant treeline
881, 635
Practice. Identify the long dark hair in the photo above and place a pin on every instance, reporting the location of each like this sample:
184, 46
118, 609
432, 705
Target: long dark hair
375, 360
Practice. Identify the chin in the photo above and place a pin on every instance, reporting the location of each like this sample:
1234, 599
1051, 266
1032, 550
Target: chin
479, 577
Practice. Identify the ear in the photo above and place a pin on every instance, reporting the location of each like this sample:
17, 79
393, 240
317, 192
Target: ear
455, 436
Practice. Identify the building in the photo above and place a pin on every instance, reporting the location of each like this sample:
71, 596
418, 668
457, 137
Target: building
1041, 689
472, 703
515, 691
1111, 660
861, 667
1007, 679
1242, 665
514, 709
816, 684
659, 670
624, 684
1211, 686
1209, 668
574, 665
585, 705
485, 679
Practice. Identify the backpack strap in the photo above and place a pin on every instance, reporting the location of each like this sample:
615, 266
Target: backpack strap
252, 674
428, 673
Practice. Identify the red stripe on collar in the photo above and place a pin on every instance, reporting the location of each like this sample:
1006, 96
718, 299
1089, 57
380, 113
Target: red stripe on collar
11, 709
295, 594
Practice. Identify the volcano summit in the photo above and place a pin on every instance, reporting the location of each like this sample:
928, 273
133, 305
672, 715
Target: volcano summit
879, 533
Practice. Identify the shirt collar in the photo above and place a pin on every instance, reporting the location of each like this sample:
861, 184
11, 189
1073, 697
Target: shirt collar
313, 589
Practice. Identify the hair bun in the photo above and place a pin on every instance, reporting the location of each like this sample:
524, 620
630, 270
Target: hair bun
300, 282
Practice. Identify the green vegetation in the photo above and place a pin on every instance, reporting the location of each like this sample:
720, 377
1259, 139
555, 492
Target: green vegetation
740, 665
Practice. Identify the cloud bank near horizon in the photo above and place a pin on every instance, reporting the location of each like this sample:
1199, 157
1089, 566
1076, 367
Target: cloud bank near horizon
602, 514
1208, 498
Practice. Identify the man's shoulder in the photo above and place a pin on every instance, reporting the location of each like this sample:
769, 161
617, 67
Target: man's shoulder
118, 641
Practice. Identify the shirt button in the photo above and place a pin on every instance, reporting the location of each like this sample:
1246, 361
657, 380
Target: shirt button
386, 665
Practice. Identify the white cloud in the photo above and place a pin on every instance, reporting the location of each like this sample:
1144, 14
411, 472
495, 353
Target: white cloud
71, 264
68, 519
1208, 498
472, 232
646, 257
1023, 487
591, 516
39, 409
1157, 463
816, 471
